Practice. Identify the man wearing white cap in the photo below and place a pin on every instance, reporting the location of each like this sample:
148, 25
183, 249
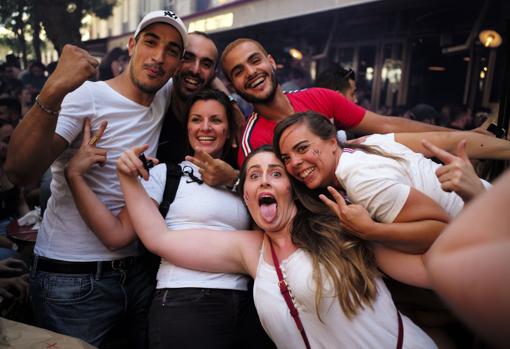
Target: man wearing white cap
79, 286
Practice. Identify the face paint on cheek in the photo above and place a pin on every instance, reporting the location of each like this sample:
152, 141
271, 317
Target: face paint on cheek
316, 152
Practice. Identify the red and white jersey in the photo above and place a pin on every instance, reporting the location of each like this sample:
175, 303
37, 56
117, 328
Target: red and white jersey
345, 114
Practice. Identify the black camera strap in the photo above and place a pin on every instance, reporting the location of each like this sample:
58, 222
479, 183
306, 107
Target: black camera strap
173, 178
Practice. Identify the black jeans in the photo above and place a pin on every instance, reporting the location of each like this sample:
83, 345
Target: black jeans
205, 318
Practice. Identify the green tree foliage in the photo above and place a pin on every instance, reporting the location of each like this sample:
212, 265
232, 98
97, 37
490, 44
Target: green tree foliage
61, 19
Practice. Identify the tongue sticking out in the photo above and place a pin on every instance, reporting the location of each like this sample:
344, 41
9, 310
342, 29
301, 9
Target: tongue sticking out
268, 212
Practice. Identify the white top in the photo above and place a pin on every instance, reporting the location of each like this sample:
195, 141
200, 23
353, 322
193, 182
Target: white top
382, 185
63, 234
375, 327
197, 206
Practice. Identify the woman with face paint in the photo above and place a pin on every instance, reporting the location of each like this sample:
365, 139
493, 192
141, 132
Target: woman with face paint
190, 309
406, 207
336, 288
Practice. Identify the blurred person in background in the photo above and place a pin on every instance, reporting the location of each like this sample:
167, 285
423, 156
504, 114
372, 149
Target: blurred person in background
339, 79
113, 64
34, 77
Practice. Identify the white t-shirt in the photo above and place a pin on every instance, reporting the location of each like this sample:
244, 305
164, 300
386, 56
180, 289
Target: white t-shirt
372, 327
197, 206
382, 185
63, 234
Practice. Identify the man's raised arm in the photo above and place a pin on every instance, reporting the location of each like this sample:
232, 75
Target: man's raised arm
34, 144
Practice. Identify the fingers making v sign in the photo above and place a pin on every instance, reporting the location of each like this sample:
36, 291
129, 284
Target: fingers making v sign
88, 154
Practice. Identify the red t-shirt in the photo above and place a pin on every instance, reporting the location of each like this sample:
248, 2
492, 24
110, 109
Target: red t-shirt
259, 130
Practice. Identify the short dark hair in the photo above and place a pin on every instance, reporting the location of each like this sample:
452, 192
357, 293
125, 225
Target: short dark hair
233, 45
203, 34
335, 77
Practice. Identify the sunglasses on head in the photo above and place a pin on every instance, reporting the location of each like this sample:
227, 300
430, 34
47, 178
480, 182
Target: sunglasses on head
348, 74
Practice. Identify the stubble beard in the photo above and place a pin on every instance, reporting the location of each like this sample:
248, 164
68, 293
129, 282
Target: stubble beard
151, 90
263, 100
182, 93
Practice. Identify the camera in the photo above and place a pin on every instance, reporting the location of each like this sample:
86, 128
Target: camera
498, 131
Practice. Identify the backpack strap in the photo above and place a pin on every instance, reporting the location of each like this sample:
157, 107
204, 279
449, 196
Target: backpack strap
173, 178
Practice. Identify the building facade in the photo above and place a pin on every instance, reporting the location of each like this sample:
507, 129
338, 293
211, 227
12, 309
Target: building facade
404, 52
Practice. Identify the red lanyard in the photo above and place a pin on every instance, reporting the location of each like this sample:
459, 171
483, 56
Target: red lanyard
284, 289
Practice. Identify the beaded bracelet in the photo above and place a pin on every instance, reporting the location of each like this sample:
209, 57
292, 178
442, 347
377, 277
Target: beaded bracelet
46, 109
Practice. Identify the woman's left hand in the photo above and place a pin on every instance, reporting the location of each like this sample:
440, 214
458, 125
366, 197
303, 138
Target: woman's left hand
354, 218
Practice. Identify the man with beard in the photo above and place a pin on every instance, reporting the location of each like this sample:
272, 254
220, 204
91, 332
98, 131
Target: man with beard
78, 286
251, 70
196, 72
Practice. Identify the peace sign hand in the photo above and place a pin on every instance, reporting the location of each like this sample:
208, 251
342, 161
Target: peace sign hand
457, 174
88, 154
215, 172
353, 218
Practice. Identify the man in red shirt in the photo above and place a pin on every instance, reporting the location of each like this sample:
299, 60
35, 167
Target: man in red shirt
251, 70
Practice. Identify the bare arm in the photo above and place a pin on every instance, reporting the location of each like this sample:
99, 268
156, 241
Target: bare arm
478, 146
114, 231
404, 267
415, 228
468, 264
207, 250
375, 123
34, 144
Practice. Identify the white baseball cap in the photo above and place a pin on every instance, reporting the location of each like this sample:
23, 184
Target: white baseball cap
164, 16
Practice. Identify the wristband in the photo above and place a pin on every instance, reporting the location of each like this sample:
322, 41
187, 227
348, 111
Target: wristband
46, 109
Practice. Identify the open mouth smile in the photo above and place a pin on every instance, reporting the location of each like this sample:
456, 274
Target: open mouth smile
257, 81
206, 138
305, 173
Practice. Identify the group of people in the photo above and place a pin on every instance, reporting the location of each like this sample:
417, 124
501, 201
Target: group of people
264, 206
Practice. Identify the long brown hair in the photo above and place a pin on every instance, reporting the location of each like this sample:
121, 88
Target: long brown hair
347, 261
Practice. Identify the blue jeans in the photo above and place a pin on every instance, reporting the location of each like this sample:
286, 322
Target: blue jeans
89, 306
196, 318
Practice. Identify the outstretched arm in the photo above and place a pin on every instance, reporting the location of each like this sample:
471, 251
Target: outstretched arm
415, 228
404, 267
114, 231
34, 144
207, 250
478, 146
376, 123
468, 264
